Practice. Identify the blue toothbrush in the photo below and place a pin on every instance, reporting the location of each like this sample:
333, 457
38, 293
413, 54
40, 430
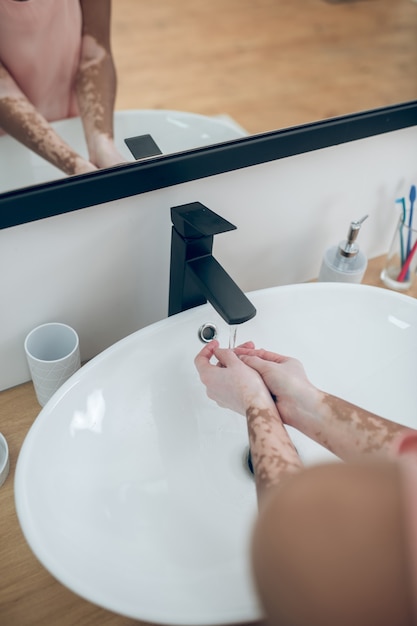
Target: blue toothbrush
402, 202
410, 221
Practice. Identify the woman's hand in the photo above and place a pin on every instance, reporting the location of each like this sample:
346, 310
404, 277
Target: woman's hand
285, 377
234, 385
103, 151
230, 382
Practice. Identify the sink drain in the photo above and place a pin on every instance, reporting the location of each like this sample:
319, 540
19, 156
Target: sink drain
207, 332
247, 462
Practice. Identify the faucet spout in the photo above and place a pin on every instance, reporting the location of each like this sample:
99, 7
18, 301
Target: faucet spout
195, 275
221, 291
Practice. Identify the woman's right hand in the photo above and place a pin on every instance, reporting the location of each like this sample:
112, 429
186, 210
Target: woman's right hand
295, 396
82, 166
230, 382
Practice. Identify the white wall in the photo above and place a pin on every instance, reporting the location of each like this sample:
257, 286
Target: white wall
104, 270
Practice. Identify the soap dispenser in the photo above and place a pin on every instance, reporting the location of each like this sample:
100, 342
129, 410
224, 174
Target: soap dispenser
345, 263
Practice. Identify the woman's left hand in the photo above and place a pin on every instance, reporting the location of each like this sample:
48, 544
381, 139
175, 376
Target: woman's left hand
231, 383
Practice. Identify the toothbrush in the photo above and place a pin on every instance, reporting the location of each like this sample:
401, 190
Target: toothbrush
410, 219
404, 272
402, 202
410, 224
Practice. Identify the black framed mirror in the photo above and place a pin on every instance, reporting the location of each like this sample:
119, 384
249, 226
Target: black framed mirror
77, 192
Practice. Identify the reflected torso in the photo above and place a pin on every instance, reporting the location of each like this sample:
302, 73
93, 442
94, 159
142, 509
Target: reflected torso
40, 45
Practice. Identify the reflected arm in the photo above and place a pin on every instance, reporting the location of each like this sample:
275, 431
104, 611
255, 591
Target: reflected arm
96, 83
20, 119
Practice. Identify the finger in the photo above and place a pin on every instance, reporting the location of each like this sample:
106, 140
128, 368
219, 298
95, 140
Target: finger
248, 344
225, 356
266, 355
202, 360
255, 362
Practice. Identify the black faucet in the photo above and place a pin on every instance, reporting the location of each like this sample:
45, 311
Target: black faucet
195, 275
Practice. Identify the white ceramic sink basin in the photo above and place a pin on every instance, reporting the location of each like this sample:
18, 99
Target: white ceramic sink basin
131, 486
173, 131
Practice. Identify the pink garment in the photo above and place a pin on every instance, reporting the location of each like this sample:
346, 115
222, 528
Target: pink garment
40, 43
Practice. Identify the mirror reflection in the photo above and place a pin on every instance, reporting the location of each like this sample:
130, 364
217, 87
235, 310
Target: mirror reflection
189, 73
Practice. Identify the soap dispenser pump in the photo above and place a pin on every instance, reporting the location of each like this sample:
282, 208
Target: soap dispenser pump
345, 263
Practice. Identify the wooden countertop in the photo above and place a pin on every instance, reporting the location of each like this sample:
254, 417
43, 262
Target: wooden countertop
29, 595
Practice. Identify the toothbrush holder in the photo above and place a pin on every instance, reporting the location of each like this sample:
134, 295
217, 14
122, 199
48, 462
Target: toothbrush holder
401, 262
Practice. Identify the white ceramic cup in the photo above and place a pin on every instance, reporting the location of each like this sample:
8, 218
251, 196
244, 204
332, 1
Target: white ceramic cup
4, 459
53, 355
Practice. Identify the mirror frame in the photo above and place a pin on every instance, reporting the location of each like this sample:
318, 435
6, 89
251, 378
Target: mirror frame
38, 202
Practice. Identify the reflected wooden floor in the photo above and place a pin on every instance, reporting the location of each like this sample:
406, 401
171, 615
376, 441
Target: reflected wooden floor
270, 63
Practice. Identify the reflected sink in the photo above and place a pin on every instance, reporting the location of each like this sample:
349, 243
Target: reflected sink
131, 486
173, 131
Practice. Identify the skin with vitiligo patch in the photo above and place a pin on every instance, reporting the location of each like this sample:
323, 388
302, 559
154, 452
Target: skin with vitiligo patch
329, 545
95, 85
349, 431
22, 121
88, 82
273, 454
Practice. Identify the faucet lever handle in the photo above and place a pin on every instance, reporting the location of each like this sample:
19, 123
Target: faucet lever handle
194, 220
